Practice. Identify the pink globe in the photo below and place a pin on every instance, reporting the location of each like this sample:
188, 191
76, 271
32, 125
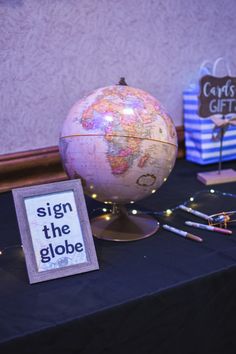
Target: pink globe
121, 142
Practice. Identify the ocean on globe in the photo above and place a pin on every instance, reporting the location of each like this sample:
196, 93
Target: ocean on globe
121, 142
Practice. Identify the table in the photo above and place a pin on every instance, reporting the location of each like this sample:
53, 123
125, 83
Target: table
162, 294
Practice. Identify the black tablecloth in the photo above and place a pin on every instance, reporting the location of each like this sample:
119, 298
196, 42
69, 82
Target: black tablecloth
162, 294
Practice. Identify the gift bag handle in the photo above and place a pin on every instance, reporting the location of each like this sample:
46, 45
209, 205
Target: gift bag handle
205, 68
216, 64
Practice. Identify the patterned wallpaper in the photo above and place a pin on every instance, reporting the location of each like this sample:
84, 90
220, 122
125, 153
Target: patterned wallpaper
53, 52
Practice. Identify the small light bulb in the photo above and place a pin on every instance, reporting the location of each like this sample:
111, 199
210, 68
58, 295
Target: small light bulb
107, 218
131, 202
212, 191
168, 212
104, 209
165, 179
191, 199
153, 191
134, 212
0, 253
94, 196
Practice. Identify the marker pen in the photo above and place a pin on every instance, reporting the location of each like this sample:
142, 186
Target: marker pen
208, 227
182, 233
195, 212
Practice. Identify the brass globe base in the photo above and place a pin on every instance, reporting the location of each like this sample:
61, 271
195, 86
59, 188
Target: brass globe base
120, 226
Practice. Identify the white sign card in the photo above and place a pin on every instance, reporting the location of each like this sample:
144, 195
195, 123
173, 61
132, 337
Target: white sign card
55, 230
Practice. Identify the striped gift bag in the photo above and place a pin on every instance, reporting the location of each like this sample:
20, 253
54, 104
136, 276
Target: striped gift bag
199, 143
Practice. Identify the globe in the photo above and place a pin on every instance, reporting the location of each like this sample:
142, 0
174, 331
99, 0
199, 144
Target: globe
122, 143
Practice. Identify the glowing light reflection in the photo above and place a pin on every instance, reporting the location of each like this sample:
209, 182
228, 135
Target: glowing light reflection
128, 111
108, 118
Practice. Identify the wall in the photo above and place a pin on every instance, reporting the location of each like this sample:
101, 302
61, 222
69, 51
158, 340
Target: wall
56, 51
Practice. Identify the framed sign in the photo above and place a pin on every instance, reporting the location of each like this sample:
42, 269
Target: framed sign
217, 95
55, 230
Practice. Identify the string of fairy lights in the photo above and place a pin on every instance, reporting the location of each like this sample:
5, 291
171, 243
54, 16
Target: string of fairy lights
167, 212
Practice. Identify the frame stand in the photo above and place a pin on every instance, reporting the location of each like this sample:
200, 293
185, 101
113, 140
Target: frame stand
120, 226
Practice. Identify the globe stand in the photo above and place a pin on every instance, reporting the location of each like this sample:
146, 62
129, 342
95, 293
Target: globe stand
120, 226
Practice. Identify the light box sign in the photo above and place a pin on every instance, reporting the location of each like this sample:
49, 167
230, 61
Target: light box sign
55, 230
217, 95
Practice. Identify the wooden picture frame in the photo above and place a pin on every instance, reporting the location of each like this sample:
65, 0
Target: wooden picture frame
55, 230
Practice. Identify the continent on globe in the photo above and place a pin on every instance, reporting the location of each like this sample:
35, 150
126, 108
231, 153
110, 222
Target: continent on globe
143, 159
